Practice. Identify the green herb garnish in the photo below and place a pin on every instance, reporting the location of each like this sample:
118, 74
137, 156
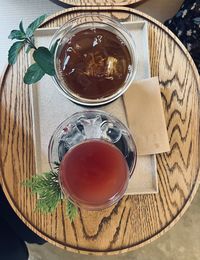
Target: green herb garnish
42, 56
71, 210
49, 192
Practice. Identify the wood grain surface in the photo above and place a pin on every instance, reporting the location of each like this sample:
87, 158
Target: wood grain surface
97, 2
135, 220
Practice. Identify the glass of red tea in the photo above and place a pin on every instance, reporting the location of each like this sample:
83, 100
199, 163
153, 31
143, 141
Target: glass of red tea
95, 59
96, 155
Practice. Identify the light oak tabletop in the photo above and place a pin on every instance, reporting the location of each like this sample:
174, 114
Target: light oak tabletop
135, 220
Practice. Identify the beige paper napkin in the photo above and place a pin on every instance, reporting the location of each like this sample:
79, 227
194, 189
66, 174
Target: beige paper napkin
145, 117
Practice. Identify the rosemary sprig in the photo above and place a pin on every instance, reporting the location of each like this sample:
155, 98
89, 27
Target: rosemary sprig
49, 192
71, 210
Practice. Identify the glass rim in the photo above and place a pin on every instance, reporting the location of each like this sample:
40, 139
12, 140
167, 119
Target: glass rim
125, 35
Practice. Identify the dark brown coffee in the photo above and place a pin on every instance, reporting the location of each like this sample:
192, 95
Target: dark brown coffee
94, 63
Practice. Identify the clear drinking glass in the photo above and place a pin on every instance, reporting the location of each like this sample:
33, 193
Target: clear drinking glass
93, 21
97, 156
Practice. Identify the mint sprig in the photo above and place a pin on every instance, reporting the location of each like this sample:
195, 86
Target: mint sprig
42, 56
49, 193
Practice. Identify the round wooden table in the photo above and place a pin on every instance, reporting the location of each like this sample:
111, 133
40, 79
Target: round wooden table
135, 220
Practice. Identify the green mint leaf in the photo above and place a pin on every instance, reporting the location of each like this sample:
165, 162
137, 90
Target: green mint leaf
53, 47
16, 34
44, 59
21, 27
34, 25
71, 210
14, 50
33, 74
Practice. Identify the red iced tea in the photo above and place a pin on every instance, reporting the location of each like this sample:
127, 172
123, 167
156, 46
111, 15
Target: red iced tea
94, 173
